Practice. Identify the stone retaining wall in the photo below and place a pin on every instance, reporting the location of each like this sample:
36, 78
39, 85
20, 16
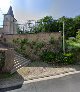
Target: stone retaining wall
33, 37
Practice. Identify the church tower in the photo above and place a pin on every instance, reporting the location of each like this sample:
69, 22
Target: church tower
9, 23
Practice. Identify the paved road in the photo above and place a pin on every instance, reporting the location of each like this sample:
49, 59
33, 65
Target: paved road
69, 83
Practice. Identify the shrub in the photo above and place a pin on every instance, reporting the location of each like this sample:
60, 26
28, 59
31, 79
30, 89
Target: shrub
36, 45
38, 49
57, 58
67, 58
16, 41
48, 56
39, 45
52, 40
32, 43
24, 41
78, 36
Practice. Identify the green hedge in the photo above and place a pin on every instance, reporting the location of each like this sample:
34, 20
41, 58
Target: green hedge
57, 58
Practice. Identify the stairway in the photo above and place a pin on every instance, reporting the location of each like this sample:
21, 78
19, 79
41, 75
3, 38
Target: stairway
19, 62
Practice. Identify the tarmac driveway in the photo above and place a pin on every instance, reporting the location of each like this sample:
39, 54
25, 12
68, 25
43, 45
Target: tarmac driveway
69, 83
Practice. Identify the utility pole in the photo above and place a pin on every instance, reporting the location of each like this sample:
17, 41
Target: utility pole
63, 39
23, 29
35, 26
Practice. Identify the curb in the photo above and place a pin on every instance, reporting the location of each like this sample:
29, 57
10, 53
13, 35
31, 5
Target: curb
31, 80
37, 79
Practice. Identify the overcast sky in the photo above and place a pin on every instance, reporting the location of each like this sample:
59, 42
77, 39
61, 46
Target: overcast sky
36, 9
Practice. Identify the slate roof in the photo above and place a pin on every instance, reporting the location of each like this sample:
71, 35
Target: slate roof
10, 11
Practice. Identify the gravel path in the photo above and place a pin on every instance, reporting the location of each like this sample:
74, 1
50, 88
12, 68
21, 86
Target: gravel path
40, 69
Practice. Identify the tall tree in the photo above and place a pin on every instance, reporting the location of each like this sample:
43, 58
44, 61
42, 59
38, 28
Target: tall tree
70, 29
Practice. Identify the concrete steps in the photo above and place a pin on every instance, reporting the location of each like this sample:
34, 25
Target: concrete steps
19, 62
19, 67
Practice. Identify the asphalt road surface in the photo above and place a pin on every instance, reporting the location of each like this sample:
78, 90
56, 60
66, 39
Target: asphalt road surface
69, 83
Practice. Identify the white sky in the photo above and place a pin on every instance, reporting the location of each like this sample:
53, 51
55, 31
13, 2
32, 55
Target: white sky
36, 9
4, 6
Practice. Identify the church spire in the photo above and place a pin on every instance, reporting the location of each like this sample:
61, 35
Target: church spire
10, 11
